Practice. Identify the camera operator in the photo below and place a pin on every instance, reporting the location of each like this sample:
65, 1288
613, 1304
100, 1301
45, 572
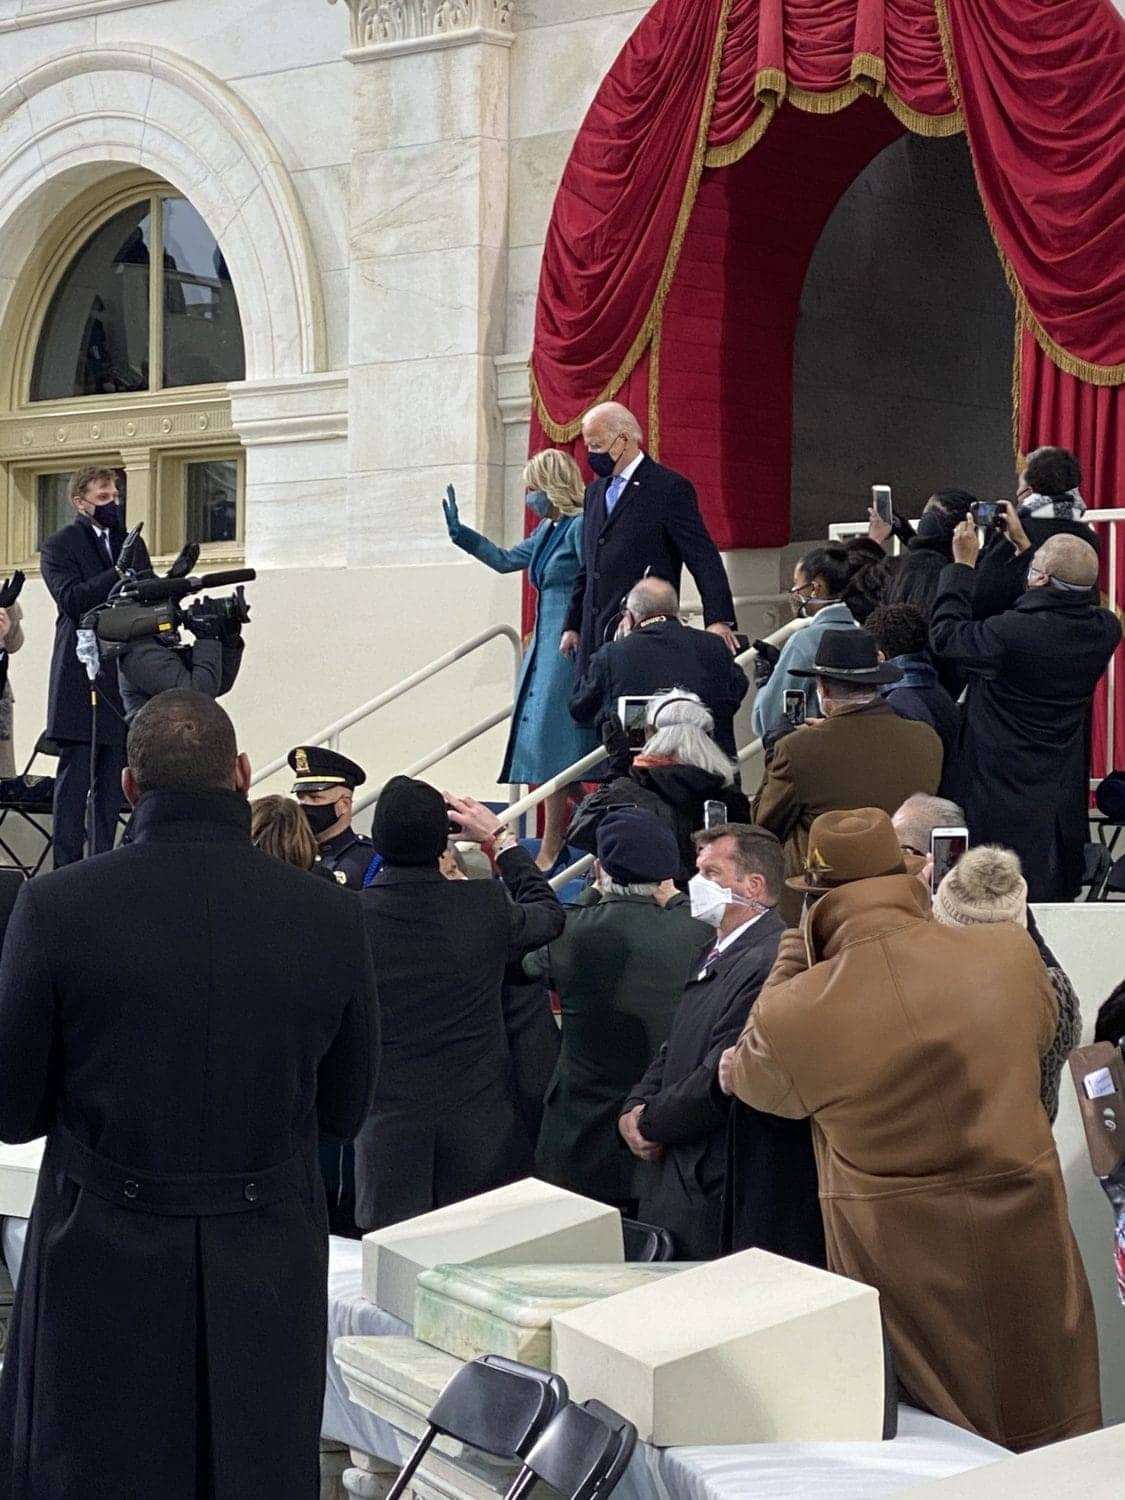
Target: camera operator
157, 663
79, 567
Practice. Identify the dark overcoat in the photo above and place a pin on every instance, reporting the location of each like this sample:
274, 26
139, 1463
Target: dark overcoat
665, 654
655, 525
619, 969
178, 1017
445, 1123
1001, 571
684, 1109
74, 567
1022, 765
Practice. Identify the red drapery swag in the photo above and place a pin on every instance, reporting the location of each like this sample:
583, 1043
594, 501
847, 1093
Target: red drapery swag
1038, 89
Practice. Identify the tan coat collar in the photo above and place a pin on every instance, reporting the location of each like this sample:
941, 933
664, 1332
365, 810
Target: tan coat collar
862, 910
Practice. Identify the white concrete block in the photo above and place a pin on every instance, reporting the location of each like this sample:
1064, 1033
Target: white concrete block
432, 197
19, 1174
395, 516
536, 170
523, 291
749, 1349
307, 112
1085, 1468
424, 97
323, 192
302, 522
526, 1222
424, 412
535, 13
556, 70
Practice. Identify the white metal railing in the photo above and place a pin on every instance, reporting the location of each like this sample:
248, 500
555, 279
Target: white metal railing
330, 735
1110, 519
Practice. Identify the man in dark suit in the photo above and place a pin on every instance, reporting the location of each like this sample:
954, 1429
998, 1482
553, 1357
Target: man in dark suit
445, 1123
640, 517
179, 1067
677, 1119
79, 566
660, 653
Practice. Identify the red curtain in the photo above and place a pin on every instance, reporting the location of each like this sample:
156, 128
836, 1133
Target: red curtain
1057, 408
1042, 90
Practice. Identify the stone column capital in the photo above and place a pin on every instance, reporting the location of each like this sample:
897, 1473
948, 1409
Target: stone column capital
381, 27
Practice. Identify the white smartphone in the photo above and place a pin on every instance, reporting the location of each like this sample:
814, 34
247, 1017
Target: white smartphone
633, 712
946, 847
881, 503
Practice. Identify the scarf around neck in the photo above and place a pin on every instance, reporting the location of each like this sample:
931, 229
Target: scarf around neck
1067, 507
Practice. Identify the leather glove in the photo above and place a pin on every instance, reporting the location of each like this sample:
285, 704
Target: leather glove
616, 743
765, 659
11, 588
189, 556
452, 518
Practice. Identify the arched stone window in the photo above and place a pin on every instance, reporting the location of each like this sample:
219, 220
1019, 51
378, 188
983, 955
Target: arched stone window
146, 304
131, 336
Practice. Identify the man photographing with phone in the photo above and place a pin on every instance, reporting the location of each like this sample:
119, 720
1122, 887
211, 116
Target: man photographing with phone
1022, 768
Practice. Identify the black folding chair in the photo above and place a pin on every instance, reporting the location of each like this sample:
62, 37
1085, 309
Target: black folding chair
1114, 886
29, 799
494, 1405
582, 1455
647, 1242
1096, 865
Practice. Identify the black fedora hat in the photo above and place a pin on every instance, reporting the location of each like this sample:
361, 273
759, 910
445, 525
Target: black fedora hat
850, 656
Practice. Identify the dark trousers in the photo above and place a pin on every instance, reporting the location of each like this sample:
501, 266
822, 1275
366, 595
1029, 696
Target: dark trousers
72, 783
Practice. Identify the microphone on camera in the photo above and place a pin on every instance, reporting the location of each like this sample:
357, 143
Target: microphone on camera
155, 590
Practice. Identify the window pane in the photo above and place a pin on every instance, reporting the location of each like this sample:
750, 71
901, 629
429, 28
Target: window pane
212, 503
52, 503
202, 328
95, 335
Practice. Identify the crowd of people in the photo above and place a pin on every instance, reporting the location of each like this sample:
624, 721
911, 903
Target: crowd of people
778, 1024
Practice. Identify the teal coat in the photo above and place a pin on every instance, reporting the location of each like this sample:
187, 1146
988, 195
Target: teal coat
544, 739
620, 967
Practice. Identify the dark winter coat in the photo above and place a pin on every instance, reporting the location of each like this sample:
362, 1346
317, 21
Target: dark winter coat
676, 794
921, 698
178, 1017
915, 580
619, 968
1022, 764
155, 666
771, 1196
445, 1124
1001, 571
665, 654
74, 568
655, 525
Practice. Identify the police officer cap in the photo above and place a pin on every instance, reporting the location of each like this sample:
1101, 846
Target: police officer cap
318, 769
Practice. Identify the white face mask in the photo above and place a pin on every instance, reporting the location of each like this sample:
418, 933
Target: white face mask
709, 900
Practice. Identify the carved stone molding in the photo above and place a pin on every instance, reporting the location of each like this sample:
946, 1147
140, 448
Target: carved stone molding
379, 23
29, 435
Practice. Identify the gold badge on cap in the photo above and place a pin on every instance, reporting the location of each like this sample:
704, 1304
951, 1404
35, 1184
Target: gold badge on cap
341, 878
302, 761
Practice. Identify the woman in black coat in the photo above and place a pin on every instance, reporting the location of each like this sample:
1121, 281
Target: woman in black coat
928, 550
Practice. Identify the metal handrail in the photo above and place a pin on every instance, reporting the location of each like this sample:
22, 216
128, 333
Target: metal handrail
331, 735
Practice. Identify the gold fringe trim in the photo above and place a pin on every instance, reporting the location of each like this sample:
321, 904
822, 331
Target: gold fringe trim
1017, 389
1070, 364
814, 103
566, 432
654, 391
770, 81
937, 127
870, 72
726, 156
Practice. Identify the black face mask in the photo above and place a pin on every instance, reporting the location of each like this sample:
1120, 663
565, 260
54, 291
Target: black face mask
108, 516
935, 526
321, 816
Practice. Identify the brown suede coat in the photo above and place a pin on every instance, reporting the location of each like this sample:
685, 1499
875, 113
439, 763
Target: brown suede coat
860, 757
915, 1049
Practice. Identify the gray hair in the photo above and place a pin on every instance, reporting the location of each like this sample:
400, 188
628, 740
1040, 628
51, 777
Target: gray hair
610, 887
682, 726
617, 416
652, 596
920, 814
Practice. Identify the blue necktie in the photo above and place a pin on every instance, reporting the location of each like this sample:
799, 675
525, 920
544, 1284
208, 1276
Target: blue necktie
613, 493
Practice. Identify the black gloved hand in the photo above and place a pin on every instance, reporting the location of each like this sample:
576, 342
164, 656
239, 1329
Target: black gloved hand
11, 588
189, 556
615, 742
766, 657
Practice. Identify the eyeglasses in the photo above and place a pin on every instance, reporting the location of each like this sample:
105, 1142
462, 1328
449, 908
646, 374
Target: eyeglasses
1034, 572
801, 588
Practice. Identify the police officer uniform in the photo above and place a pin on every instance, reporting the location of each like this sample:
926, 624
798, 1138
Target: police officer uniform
346, 856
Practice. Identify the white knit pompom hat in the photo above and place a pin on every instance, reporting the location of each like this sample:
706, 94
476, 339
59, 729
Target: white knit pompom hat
985, 885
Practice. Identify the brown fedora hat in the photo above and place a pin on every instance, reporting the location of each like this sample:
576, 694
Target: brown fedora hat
844, 846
